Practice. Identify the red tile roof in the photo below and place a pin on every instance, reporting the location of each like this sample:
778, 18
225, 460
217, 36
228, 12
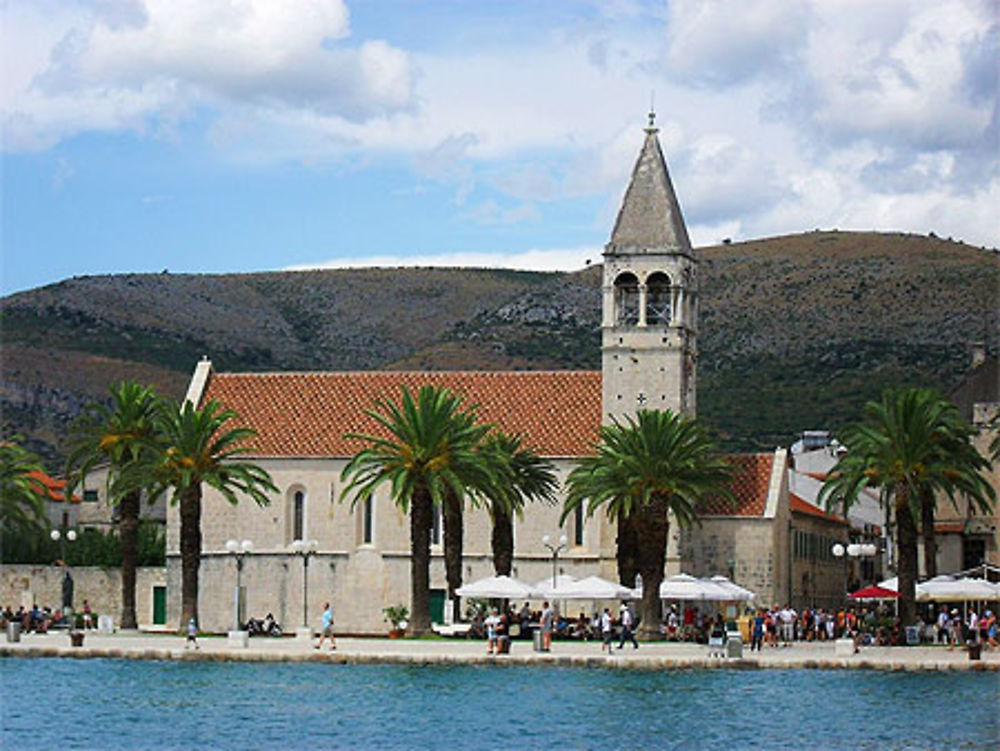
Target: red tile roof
751, 480
801, 506
54, 489
307, 414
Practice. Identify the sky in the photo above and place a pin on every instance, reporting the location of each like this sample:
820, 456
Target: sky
249, 135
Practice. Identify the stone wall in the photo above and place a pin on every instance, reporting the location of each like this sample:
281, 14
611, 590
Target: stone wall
741, 546
26, 584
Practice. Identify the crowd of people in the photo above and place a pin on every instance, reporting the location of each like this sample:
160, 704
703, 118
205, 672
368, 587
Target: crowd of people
39, 620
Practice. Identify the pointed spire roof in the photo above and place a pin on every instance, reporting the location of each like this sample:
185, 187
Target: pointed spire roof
650, 217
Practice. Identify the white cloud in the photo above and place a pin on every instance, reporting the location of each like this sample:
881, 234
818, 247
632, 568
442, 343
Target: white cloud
118, 66
536, 259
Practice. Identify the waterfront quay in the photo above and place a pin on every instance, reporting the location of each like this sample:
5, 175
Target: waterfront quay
650, 656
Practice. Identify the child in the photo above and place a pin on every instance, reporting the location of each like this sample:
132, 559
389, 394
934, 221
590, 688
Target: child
192, 634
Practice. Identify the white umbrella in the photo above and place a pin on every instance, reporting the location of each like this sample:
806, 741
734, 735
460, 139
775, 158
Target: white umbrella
596, 588
949, 589
892, 584
687, 587
737, 593
544, 588
503, 587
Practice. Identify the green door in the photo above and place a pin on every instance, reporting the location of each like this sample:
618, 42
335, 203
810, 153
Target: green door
437, 605
159, 606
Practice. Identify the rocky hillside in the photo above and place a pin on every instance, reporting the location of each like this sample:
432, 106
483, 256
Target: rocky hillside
796, 332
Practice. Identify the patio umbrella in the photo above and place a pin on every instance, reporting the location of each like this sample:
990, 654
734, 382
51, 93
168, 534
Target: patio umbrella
949, 589
874, 592
892, 584
501, 587
544, 588
687, 587
737, 593
596, 588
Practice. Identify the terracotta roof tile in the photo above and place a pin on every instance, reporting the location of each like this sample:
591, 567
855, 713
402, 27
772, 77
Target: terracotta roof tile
751, 481
54, 489
801, 506
307, 414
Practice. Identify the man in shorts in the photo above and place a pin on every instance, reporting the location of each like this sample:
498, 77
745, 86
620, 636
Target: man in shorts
606, 631
546, 626
327, 627
491, 623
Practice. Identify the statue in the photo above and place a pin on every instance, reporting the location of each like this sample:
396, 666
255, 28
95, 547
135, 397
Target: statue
67, 591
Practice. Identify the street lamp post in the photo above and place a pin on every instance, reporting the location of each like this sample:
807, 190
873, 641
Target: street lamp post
555, 550
306, 549
240, 549
67, 586
853, 550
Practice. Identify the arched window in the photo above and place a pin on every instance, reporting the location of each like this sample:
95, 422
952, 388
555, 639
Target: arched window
658, 300
298, 515
578, 517
368, 521
626, 300
436, 525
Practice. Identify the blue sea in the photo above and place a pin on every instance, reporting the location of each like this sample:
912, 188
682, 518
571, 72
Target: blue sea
124, 704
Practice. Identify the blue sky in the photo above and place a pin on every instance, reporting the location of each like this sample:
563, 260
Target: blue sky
210, 136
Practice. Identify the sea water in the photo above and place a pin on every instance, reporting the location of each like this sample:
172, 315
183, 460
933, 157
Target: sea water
125, 704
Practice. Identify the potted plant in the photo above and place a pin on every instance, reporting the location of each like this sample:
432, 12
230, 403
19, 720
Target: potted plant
396, 616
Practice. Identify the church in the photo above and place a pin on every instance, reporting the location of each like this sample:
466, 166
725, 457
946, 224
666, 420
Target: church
357, 557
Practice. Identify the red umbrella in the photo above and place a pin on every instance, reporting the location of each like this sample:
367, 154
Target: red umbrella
874, 592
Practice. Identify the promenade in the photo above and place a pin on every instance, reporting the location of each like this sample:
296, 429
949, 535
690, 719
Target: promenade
657, 656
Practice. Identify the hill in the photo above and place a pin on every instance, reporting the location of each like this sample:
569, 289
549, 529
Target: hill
796, 332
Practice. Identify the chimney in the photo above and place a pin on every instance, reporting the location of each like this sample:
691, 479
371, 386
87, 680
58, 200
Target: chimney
978, 354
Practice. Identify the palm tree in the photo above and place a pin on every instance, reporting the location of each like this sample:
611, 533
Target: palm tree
910, 446
195, 447
646, 468
116, 434
527, 477
429, 449
22, 496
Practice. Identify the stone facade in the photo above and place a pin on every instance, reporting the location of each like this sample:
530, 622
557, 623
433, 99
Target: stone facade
28, 584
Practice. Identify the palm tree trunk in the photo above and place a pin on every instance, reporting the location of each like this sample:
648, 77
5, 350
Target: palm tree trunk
128, 532
929, 533
502, 541
906, 528
420, 568
627, 550
190, 511
651, 527
453, 543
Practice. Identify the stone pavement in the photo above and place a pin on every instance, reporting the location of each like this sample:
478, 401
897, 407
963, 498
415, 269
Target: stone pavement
657, 656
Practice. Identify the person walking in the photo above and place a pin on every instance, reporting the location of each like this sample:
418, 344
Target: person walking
192, 634
606, 632
326, 622
757, 635
627, 620
546, 626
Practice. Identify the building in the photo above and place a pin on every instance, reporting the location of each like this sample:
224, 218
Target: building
649, 357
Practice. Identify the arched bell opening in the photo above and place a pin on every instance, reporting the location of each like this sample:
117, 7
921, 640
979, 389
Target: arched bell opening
626, 299
658, 302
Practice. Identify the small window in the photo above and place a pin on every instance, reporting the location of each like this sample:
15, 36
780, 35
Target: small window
436, 525
578, 525
367, 513
298, 515
90, 496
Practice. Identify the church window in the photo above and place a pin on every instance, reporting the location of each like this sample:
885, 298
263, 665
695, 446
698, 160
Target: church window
658, 300
367, 519
578, 525
626, 300
436, 525
298, 515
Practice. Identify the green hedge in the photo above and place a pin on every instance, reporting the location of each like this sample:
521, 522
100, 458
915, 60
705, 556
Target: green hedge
92, 547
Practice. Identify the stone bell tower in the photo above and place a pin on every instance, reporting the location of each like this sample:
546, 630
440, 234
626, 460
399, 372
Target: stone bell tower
650, 298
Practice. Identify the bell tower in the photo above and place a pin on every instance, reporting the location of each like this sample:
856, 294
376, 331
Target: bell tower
650, 296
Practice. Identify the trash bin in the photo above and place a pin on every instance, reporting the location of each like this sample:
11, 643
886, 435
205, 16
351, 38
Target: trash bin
13, 631
536, 640
76, 638
734, 645
912, 636
975, 650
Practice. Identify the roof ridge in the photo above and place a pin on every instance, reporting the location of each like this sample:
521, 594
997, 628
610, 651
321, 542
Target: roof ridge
273, 373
